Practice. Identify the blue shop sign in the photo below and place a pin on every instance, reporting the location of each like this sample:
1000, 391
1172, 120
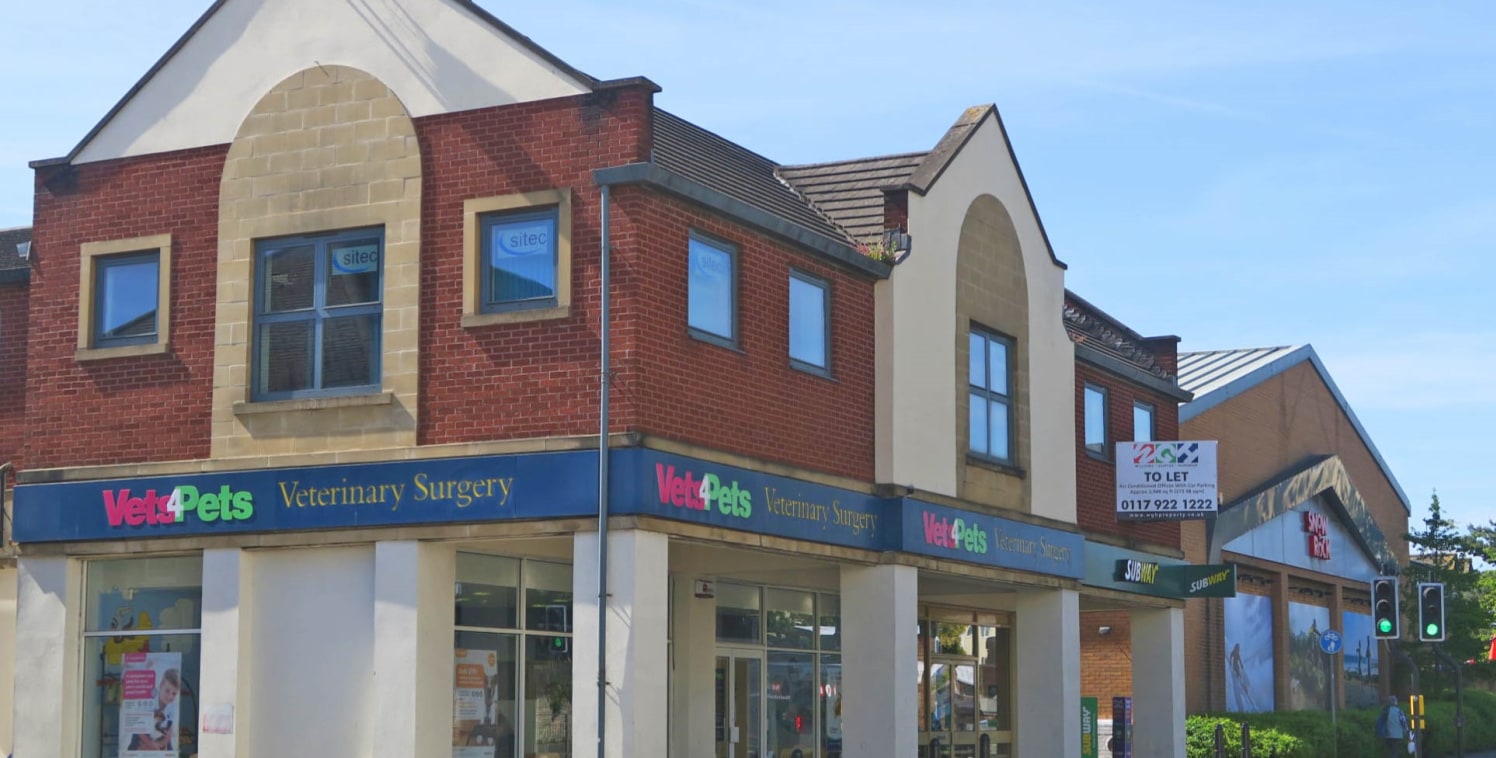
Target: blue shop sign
943, 532
435, 491
650, 483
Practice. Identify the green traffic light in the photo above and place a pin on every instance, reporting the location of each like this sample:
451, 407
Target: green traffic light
1432, 630
1385, 625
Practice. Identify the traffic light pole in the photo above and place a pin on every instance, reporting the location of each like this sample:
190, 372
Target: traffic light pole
1395, 648
1459, 701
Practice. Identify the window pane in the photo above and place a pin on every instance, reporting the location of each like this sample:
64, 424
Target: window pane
144, 593
285, 356
348, 346
791, 703
830, 622
1095, 420
127, 291
484, 695
998, 414
976, 373
789, 619
807, 322
977, 423
994, 702
548, 696
831, 706
140, 694
487, 591
521, 259
1142, 422
738, 614
997, 366
548, 596
289, 278
710, 295
353, 272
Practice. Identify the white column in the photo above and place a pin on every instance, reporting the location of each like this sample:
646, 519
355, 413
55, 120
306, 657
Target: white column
1048, 668
1158, 682
637, 672
7, 658
47, 598
880, 661
413, 648
693, 664
225, 652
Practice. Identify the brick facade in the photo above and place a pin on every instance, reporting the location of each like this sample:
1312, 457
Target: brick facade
1095, 478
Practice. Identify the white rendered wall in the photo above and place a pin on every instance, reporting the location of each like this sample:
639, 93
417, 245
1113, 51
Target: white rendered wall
693, 662
1048, 673
434, 55
413, 628
880, 639
227, 649
7, 654
637, 672
48, 592
916, 328
1158, 716
312, 678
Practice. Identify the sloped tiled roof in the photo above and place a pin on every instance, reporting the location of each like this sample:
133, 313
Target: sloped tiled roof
735, 171
851, 192
1216, 376
10, 257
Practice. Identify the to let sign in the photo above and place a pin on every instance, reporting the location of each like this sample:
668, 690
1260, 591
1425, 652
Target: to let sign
1170, 481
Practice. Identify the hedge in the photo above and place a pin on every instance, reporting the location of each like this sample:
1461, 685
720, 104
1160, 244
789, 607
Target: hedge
1308, 734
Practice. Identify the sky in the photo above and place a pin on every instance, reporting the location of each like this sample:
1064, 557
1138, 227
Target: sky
1237, 174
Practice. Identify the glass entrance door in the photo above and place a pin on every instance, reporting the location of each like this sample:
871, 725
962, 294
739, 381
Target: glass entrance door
953, 708
740, 703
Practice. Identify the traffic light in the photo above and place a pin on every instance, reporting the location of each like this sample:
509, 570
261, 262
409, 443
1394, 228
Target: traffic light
1431, 612
1385, 620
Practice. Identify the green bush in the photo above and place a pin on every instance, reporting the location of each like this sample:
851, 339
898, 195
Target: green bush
1266, 742
1308, 734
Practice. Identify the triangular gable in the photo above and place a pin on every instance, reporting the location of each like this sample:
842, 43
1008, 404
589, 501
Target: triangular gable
437, 56
1269, 523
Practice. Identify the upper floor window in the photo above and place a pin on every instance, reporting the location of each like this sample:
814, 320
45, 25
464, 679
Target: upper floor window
1095, 420
126, 299
318, 314
990, 417
519, 260
1142, 422
810, 321
712, 291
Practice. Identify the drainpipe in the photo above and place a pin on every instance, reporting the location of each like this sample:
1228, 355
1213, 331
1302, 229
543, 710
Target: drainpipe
602, 495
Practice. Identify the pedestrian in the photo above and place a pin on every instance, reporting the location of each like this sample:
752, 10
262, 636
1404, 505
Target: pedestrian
1392, 728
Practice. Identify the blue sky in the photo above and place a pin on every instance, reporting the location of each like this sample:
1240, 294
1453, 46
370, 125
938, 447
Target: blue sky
1244, 174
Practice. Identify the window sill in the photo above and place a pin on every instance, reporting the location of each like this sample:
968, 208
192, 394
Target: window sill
476, 320
1095, 456
982, 461
712, 339
84, 354
313, 403
813, 370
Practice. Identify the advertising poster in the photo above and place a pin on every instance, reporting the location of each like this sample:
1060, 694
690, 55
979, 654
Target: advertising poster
1308, 666
474, 733
1088, 723
1249, 653
149, 709
1362, 675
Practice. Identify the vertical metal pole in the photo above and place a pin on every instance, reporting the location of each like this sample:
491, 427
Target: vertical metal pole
1220, 736
602, 492
1334, 697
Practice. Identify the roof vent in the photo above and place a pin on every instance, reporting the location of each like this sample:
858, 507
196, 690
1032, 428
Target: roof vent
23, 249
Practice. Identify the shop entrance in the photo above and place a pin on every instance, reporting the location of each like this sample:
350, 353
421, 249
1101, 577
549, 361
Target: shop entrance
740, 703
965, 685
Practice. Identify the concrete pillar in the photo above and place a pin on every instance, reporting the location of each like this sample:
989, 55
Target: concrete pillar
413, 648
1158, 682
226, 651
637, 672
7, 659
1048, 669
693, 664
48, 593
880, 635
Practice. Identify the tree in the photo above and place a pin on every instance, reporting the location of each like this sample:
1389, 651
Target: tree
1445, 554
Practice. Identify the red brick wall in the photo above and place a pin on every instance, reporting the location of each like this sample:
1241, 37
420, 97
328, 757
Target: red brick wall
149, 408
1105, 659
748, 400
1096, 480
13, 335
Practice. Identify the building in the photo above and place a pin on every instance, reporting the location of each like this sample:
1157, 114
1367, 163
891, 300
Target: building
15, 275
314, 413
1310, 514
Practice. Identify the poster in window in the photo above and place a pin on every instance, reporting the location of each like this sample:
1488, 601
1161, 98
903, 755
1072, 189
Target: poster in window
476, 723
149, 707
